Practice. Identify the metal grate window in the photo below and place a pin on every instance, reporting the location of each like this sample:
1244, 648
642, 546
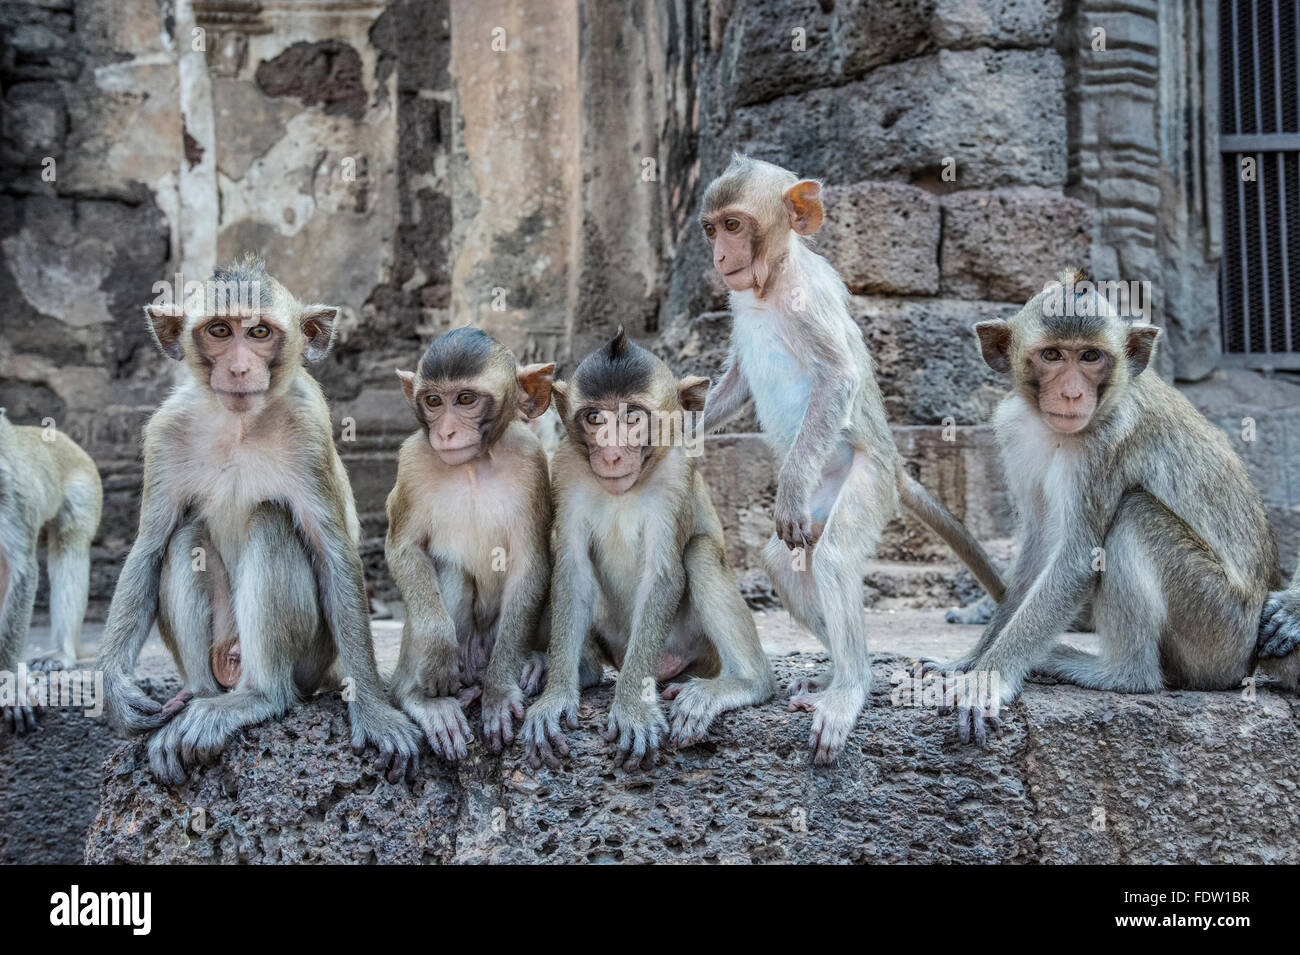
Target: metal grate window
1259, 283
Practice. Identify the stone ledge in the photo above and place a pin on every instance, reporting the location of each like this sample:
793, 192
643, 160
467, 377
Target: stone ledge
1078, 776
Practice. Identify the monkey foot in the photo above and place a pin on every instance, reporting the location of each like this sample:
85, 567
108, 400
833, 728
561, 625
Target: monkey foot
18, 719
807, 685
530, 680
46, 664
835, 713
692, 713
226, 662
176, 704
638, 732
468, 694
974, 723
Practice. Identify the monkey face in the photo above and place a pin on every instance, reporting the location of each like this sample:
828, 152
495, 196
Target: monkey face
241, 355
618, 442
457, 416
1071, 376
732, 235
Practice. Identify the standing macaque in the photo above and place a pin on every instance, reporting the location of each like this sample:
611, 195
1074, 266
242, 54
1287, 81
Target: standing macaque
469, 523
1126, 496
797, 352
1279, 634
641, 579
50, 487
242, 482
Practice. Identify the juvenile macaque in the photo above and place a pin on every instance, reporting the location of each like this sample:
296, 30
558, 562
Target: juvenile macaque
242, 483
1126, 496
49, 487
797, 352
468, 528
641, 579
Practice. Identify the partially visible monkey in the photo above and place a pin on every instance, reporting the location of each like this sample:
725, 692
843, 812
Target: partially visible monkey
241, 478
1279, 634
641, 579
50, 487
1127, 496
468, 537
797, 352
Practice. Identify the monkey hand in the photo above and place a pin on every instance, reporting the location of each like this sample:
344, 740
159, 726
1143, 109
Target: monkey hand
542, 734
639, 728
20, 719
794, 524
130, 710
443, 720
530, 680
501, 707
693, 710
388, 729
1279, 627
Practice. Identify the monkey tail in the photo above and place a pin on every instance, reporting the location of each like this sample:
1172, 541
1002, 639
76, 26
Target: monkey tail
940, 520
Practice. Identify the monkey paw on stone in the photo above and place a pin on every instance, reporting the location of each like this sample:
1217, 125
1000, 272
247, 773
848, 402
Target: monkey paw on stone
835, 713
500, 710
543, 736
194, 738
443, 721
390, 731
692, 712
130, 710
637, 728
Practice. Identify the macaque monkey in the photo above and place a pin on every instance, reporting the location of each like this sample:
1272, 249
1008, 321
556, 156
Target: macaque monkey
1279, 634
641, 579
242, 481
469, 523
50, 487
797, 352
1127, 497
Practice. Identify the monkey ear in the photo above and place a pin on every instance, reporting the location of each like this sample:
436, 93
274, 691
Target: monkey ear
691, 391
166, 322
317, 323
560, 395
995, 344
535, 384
1141, 346
408, 384
803, 202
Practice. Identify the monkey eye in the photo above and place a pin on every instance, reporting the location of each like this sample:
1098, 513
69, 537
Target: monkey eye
219, 330
593, 418
731, 225
710, 229
259, 332
433, 401
466, 398
1090, 355
635, 416
1051, 354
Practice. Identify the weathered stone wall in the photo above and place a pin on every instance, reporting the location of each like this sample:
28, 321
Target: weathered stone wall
537, 169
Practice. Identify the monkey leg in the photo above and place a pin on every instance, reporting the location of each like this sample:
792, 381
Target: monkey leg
185, 610
286, 648
745, 676
1165, 612
68, 556
826, 596
21, 573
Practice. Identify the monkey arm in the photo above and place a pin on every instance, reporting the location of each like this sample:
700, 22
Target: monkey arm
428, 660
1017, 638
725, 398
829, 402
132, 611
573, 594
341, 589
525, 592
